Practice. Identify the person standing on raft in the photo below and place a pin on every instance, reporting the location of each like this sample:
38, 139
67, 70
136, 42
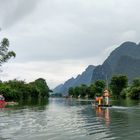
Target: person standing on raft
106, 96
99, 100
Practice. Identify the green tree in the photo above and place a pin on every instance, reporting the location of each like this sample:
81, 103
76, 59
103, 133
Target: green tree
71, 91
14, 90
136, 83
92, 91
117, 84
134, 89
124, 92
98, 87
83, 90
42, 87
5, 54
134, 93
77, 91
19, 90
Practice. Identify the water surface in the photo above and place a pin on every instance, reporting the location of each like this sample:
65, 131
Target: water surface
67, 119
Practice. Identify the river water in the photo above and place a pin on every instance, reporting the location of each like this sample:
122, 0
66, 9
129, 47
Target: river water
67, 119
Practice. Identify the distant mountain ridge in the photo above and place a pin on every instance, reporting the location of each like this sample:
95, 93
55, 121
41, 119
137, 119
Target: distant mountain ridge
58, 88
118, 59
123, 60
84, 78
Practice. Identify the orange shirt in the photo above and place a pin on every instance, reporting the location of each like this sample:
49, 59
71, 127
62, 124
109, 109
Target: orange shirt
99, 98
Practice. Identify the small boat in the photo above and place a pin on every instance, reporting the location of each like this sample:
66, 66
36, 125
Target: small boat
2, 103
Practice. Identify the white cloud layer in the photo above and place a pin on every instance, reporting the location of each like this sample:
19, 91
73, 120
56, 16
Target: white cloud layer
57, 39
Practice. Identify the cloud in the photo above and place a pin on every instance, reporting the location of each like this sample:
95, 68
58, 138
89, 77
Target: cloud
70, 31
15, 10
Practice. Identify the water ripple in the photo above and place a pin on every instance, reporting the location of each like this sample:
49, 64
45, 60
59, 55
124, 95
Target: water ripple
70, 120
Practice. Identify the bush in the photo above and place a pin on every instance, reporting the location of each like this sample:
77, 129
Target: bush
134, 93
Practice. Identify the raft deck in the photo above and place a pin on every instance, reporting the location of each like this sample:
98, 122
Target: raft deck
104, 105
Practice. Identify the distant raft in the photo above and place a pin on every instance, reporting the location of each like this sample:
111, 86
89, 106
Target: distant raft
104, 105
11, 103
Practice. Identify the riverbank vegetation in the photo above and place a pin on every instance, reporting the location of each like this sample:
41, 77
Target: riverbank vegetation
88, 91
118, 87
132, 91
15, 90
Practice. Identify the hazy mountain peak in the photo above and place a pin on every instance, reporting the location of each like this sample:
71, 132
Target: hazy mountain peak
128, 43
119, 62
90, 67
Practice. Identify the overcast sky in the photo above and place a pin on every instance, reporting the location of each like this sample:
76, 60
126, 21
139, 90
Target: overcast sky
58, 39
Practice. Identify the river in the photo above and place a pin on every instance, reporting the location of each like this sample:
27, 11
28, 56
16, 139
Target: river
70, 119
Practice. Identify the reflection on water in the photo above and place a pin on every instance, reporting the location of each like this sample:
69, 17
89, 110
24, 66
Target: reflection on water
103, 113
68, 119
